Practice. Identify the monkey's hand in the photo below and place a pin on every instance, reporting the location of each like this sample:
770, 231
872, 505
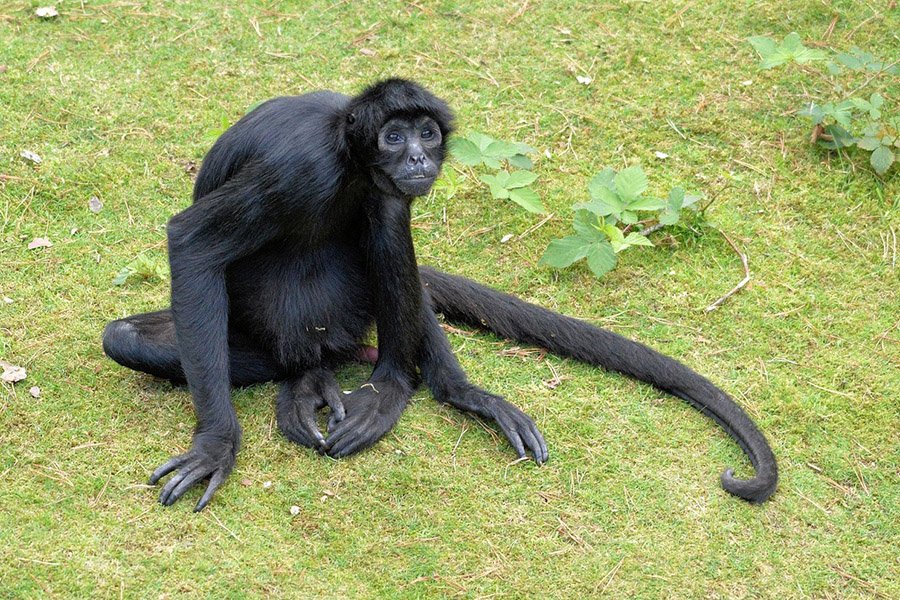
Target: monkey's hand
211, 455
297, 403
372, 411
518, 427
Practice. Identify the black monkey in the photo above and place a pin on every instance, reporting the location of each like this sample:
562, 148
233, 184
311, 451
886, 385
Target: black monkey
297, 240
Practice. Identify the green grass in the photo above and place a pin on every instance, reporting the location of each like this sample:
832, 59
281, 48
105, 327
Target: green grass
118, 97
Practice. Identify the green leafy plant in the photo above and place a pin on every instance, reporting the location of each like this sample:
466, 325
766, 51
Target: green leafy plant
603, 225
511, 176
834, 122
142, 268
791, 49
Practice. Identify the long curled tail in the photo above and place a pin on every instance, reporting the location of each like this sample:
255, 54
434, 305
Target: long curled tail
464, 300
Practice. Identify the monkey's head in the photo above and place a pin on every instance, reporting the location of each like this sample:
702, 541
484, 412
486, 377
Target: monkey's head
398, 130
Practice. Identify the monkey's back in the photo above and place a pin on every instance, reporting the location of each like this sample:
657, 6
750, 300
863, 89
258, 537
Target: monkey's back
269, 131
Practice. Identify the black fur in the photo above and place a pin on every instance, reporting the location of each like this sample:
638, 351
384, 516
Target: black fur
464, 300
297, 241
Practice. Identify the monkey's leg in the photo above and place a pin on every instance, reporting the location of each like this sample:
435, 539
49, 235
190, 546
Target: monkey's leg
146, 342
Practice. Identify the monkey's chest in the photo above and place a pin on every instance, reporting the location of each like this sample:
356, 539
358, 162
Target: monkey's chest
301, 305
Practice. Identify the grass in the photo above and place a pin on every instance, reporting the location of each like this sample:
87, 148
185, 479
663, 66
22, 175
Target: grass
117, 98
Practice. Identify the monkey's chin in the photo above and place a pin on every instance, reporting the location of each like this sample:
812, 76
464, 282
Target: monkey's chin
415, 186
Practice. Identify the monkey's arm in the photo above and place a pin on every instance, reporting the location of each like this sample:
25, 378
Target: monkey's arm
230, 222
374, 408
448, 383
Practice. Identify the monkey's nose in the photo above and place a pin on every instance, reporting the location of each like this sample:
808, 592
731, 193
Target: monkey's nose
416, 159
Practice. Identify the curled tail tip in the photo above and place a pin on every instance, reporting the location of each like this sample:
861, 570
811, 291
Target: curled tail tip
756, 490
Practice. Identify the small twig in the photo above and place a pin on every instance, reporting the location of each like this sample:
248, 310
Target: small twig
648, 230
518, 13
743, 281
535, 227
874, 76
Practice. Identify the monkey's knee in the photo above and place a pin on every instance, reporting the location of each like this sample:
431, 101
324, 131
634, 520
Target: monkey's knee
120, 340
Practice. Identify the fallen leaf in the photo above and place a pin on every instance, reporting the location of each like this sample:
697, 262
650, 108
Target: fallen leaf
583, 79
46, 12
7, 299
661, 155
246, 482
35, 392
506, 238
295, 510
32, 156
39, 242
367, 52
266, 485
3, 68
95, 205
11, 373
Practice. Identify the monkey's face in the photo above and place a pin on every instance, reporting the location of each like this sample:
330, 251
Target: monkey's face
410, 151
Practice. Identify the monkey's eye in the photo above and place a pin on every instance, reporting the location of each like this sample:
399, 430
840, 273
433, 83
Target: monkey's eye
427, 134
393, 138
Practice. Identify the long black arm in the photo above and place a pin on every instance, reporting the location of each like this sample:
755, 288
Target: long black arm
228, 223
374, 408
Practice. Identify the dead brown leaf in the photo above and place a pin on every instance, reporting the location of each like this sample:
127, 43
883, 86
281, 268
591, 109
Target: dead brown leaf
12, 373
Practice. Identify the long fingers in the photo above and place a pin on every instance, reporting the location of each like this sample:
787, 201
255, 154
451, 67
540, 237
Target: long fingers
308, 423
166, 468
214, 482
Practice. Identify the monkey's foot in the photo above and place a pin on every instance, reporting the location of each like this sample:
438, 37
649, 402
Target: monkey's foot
372, 410
211, 456
297, 403
518, 427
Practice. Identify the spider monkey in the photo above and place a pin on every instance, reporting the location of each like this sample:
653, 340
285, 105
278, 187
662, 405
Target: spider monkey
298, 239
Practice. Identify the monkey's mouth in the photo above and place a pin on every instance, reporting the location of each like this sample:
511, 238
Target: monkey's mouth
417, 184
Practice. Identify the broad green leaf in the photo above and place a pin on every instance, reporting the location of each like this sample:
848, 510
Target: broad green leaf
602, 180
851, 62
601, 258
630, 183
522, 148
519, 179
628, 217
869, 143
481, 140
790, 49
497, 184
815, 113
840, 137
520, 161
491, 162
606, 203
564, 252
616, 237
587, 225
500, 178
498, 149
528, 199
690, 200
636, 239
764, 45
465, 151
843, 112
647, 204
669, 217
676, 199
882, 159
122, 276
